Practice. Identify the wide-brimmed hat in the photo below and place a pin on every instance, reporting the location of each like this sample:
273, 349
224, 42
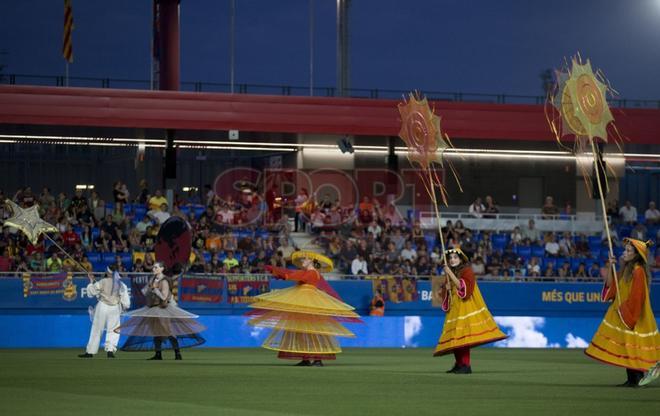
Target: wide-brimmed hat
458, 251
322, 263
642, 247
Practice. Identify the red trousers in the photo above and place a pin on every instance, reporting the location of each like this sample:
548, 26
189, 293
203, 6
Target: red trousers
462, 356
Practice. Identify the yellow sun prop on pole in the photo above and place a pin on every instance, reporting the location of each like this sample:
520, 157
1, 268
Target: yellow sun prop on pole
425, 145
580, 98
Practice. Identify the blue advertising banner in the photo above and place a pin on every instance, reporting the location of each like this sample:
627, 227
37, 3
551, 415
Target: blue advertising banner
205, 296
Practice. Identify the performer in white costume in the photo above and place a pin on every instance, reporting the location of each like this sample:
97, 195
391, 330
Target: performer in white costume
113, 298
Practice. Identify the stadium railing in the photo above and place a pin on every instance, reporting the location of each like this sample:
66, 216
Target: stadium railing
588, 224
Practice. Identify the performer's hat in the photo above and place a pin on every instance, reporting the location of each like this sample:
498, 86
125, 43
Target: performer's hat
321, 262
642, 247
457, 251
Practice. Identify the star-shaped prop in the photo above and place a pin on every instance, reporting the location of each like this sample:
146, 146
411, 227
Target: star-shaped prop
28, 221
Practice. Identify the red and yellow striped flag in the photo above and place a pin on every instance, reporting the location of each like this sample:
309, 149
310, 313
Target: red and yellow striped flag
67, 45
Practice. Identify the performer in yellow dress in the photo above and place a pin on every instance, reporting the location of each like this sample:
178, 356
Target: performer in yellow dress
468, 323
306, 317
628, 336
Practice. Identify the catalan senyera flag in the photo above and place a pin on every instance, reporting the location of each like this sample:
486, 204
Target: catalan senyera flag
67, 45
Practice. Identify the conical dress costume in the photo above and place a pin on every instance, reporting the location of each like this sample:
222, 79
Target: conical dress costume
628, 336
468, 322
160, 320
305, 318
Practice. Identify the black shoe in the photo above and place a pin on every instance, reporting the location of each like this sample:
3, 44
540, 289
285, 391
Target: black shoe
111, 354
464, 369
317, 363
177, 356
304, 363
626, 384
453, 369
86, 355
156, 356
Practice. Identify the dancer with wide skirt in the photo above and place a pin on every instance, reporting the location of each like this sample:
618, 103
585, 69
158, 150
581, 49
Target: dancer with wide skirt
628, 336
468, 322
305, 318
161, 324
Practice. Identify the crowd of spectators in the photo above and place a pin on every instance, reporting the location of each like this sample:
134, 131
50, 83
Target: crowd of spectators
96, 233
368, 240
376, 241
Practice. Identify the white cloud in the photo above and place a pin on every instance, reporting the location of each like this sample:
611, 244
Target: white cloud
256, 331
524, 332
573, 341
412, 325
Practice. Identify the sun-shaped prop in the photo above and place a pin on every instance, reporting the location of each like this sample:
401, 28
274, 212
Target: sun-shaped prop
420, 130
425, 142
582, 103
425, 145
580, 99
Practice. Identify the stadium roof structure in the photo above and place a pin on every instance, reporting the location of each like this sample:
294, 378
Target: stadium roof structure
102, 107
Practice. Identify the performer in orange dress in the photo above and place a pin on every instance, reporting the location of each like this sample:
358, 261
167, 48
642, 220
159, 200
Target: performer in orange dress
628, 336
468, 323
306, 317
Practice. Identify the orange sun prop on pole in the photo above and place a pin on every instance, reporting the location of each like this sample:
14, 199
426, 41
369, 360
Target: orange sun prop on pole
425, 145
580, 100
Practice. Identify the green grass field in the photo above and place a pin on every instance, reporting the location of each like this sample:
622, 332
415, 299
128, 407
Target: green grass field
361, 382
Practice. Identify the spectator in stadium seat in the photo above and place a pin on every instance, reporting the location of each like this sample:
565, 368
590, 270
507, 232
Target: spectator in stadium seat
549, 210
638, 232
459, 230
476, 209
70, 238
533, 267
54, 263
652, 215
6, 261
565, 271
550, 271
461, 298
516, 236
531, 234
375, 229
614, 236
46, 200
159, 215
551, 245
491, 208
230, 261
566, 245
594, 270
148, 262
628, 213
359, 266
143, 194
581, 272
157, 200
138, 266
28, 198
408, 252
85, 216
478, 267
392, 214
